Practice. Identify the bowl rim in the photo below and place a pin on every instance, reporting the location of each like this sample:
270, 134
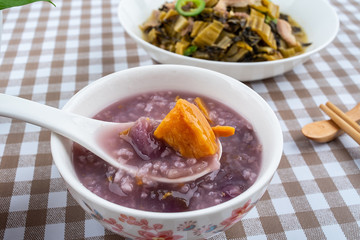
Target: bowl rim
261, 182
141, 41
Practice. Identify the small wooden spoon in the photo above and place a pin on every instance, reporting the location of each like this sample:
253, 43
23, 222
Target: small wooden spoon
326, 130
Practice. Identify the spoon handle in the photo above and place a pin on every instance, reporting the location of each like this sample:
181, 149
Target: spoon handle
354, 113
56, 120
80, 129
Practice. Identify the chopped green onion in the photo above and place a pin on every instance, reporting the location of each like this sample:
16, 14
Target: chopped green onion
190, 8
190, 50
268, 19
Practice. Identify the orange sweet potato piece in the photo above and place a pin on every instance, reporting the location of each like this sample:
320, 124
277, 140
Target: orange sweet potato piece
201, 105
223, 131
187, 131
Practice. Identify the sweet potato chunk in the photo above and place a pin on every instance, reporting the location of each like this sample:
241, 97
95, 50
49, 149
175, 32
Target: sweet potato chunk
223, 131
187, 131
201, 105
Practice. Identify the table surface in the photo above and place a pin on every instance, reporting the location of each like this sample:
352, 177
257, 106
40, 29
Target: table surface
49, 53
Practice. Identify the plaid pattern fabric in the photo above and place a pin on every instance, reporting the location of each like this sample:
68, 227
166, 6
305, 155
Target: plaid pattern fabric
48, 53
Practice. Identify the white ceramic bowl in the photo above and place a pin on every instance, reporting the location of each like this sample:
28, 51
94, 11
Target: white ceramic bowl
130, 222
318, 19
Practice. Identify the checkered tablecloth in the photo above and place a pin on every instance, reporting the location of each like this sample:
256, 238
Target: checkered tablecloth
48, 53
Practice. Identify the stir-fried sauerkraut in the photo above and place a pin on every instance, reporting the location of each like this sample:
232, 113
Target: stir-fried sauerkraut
226, 30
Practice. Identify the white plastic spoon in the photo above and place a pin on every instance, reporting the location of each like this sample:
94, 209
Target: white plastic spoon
82, 130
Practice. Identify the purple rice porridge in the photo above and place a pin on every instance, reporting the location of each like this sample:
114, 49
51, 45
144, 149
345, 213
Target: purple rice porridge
240, 161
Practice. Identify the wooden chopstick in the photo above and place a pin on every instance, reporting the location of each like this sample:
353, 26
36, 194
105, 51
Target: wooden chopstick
342, 120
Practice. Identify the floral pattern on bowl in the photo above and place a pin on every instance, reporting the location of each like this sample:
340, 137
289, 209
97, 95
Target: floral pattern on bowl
148, 231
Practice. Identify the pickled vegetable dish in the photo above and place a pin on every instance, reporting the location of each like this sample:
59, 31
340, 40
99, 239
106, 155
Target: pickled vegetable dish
225, 30
240, 161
